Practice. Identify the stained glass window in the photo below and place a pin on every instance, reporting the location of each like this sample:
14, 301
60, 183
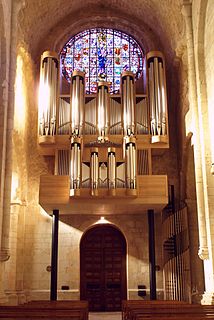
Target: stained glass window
103, 54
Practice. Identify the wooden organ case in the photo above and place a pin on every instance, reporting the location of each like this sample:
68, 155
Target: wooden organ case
102, 142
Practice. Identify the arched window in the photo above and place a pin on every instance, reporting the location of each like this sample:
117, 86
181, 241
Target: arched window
103, 54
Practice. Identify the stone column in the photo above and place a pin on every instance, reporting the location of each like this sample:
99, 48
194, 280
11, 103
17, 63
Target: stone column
14, 268
6, 166
205, 251
4, 93
203, 247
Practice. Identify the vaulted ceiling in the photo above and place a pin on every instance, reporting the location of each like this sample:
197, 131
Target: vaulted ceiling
48, 24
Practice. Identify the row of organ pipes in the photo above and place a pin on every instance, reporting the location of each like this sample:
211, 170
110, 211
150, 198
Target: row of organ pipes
48, 93
157, 95
48, 101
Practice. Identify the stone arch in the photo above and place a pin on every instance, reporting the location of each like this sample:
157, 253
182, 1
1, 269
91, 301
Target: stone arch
148, 26
106, 222
103, 280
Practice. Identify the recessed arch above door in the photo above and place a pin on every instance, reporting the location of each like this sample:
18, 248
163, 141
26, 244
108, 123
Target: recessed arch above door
103, 268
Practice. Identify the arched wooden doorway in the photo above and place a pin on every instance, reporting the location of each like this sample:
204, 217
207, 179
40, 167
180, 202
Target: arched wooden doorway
103, 268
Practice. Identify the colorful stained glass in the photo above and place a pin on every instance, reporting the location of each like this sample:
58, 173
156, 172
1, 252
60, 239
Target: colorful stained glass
103, 54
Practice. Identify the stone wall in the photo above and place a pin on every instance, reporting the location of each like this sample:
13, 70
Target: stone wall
5, 38
46, 25
71, 229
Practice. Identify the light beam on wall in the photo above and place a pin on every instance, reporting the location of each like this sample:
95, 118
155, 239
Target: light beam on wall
102, 220
20, 96
15, 185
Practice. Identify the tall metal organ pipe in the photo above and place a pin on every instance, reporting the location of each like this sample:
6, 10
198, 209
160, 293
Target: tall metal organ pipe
157, 95
131, 166
128, 100
77, 103
94, 171
111, 170
75, 166
102, 111
48, 93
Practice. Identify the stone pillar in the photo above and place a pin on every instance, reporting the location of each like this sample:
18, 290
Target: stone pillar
4, 94
14, 268
7, 130
200, 151
203, 247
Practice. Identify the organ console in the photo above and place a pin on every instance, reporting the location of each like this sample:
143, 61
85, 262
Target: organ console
85, 131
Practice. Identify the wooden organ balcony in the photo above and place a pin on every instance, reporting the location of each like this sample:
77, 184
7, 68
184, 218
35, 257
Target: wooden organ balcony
95, 139
152, 192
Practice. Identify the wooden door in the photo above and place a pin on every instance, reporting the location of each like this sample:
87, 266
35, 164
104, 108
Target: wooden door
103, 268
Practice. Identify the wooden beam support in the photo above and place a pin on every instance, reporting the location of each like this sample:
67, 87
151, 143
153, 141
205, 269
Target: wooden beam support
54, 255
152, 270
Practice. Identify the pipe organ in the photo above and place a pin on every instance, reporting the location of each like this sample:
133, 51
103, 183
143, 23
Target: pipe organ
94, 171
157, 95
75, 166
111, 170
102, 111
77, 103
101, 130
48, 93
128, 100
130, 160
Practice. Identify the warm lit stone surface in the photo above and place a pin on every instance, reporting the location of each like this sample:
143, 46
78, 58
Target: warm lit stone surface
38, 246
29, 27
54, 21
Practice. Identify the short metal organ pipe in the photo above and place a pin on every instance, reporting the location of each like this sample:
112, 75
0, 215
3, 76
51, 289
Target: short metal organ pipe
48, 93
157, 95
131, 168
103, 111
75, 166
128, 100
94, 171
77, 103
111, 170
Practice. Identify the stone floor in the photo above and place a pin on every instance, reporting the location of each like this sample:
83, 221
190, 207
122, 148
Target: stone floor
105, 316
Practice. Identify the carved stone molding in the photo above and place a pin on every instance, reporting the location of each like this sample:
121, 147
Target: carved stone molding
208, 298
187, 8
4, 255
203, 253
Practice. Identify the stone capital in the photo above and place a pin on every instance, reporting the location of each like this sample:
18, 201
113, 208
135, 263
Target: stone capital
186, 8
203, 253
208, 298
4, 254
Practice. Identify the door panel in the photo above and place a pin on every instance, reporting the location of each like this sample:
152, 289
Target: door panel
103, 268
